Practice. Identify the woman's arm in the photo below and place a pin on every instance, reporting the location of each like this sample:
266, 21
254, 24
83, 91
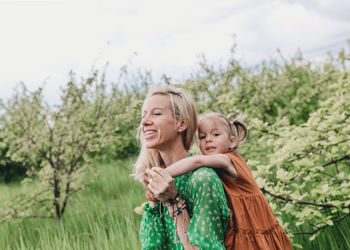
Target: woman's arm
152, 229
162, 185
207, 201
182, 222
207, 204
188, 164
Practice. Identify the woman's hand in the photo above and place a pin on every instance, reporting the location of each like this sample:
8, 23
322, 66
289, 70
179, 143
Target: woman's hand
161, 183
145, 180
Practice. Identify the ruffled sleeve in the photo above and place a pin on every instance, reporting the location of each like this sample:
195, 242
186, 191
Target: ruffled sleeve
152, 228
208, 205
245, 181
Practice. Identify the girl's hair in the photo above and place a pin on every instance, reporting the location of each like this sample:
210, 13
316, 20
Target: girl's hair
183, 109
234, 128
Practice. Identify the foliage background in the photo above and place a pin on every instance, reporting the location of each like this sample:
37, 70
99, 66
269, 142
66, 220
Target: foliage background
297, 112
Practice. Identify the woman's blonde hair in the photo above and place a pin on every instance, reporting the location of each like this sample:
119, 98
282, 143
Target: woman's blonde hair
183, 109
235, 128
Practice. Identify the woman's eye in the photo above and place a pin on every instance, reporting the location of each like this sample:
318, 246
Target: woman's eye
157, 113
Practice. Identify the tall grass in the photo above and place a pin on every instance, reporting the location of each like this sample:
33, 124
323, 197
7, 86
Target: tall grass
335, 237
102, 217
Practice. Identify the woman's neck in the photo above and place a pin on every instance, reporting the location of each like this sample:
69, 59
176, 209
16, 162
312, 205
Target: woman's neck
171, 156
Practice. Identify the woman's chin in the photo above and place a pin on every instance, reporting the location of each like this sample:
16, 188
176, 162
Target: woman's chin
151, 145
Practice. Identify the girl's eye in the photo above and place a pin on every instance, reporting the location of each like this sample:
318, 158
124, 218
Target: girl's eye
201, 137
216, 134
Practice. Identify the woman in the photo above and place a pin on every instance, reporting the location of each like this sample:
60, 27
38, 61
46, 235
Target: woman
194, 212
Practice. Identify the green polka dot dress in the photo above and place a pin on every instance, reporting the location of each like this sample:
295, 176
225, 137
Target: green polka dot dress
207, 206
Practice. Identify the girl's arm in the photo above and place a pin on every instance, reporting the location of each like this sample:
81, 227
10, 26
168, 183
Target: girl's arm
188, 164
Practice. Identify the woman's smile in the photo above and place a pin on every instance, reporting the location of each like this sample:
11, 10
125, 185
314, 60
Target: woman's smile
147, 134
158, 125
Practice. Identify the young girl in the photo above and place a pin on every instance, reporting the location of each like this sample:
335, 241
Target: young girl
252, 225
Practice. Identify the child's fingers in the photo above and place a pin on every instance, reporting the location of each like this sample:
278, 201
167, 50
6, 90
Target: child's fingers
157, 169
162, 172
151, 173
161, 183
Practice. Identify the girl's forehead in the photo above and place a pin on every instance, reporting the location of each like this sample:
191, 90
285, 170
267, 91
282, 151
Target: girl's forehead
210, 123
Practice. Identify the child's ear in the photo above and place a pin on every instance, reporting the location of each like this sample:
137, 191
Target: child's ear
233, 143
182, 126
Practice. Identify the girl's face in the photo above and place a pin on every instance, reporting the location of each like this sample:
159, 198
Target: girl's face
214, 137
158, 125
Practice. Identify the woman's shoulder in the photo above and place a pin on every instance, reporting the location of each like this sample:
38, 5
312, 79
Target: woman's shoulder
203, 175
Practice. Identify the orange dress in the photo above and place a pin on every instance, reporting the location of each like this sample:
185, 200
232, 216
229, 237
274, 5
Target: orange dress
252, 224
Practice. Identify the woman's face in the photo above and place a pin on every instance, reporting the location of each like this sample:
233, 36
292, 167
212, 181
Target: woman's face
158, 125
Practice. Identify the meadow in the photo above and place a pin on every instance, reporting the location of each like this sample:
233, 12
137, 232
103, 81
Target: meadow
102, 217
297, 112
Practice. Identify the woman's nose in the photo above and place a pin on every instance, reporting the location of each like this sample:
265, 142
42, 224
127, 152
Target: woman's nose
145, 120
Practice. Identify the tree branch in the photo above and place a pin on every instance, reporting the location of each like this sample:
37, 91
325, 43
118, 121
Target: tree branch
324, 205
324, 226
345, 157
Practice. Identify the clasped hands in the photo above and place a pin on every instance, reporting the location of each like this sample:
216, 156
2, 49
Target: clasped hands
160, 183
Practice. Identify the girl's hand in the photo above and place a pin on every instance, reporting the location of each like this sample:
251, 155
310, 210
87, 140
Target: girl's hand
161, 183
232, 171
229, 167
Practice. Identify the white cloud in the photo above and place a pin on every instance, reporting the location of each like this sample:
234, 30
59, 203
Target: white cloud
335, 9
44, 40
287, 26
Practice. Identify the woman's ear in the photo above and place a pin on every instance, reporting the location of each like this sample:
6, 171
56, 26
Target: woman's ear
182, 126
233, 143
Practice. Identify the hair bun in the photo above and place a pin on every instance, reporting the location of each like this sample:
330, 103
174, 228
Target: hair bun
241, 129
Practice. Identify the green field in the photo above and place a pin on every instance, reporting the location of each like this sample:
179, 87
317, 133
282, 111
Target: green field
100, 217
103, 217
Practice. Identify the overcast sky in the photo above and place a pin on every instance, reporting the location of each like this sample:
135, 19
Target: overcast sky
43, 40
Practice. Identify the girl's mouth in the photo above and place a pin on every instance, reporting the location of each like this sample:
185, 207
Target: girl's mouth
210, 148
